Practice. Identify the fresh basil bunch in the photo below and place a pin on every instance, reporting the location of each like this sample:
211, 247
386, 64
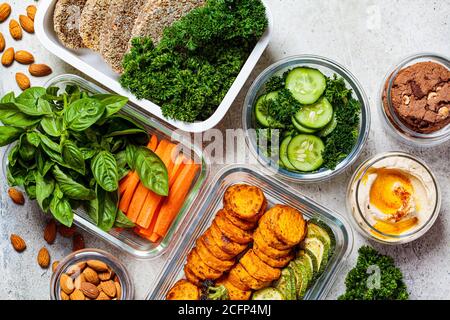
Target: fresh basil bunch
73, 148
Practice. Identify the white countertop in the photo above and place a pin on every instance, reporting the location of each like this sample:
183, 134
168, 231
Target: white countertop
368, 37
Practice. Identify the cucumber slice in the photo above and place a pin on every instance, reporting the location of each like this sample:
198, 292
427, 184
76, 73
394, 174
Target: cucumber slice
267, 294
283, 153
315, 116
317, 248
304, 152
261, 112
287, 284
329, 128
301, 128
306, 84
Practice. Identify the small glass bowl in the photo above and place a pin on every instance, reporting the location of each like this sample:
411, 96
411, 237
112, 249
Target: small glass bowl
92, 254
328, 68
391, 121
359, 220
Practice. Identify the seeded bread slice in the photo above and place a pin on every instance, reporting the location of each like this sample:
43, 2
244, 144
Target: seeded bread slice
156, 15
66, 22
92, 18
116, 31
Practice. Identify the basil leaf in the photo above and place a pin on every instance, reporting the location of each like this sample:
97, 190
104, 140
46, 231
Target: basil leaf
42, 107
30, 190
13, 155
52, 125
107, 219
33, 138
60, 207
30, 96
73, 157
42, 164
83, 113
50, 143
152, 171
9, 97
70, 187
104, 169
26, 150
11, 116
16, 175
122, 221
95, 207
9, 135
87, 153
130, 155
44, 190
112, 102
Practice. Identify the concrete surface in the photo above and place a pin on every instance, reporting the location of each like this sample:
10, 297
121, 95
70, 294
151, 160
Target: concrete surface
368, 37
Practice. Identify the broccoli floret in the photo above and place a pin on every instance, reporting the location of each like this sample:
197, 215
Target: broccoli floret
391, 285
212, 292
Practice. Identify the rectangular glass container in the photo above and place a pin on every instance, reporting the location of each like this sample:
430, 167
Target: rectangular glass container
276, 192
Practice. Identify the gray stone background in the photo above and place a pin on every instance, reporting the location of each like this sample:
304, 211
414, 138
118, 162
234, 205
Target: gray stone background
368, 37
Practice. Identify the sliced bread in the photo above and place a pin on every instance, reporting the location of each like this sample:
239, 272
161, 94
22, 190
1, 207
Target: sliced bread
66, 22
92, 18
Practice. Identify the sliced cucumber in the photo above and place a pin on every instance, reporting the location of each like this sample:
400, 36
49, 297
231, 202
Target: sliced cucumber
317, 248
301, 128
304, 152
267, 294
306, 84
283, 153
262, 115
329, 128
315, 116
286, 284
301, 276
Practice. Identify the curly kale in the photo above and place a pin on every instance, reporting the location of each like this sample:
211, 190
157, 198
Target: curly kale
190, 71
283, 107
391, 286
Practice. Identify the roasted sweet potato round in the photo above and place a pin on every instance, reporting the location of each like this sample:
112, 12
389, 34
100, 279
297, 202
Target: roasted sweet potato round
238, 222
208, 258
280, 262
225, 243
183, 290
239, 272
230, 230
287, 223
257, 268
215, 249
259, 240
268, 234
244, 201
234, 293
201, 269
191, 277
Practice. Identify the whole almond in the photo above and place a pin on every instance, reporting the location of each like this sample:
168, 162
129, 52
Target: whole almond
109, 288
97, 265
67, 232
103, 296
78, 242
118, 290
5, 11
76, 269
26, 23
66, 284
8, 57
16, 196
91, 276
18, 243
2, 42
39, 70
55, 265
108, 275
89, 290
22, 81
77, 294
50, 232
15, 30
64, 296
43, 258
79, 280
24, 57
31, 11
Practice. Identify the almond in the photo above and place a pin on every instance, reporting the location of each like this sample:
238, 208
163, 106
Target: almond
103, 296
97, 265
8, 57
108, 275
64, 296
26, 23
18, 243
109, 288
75, 269
91, 276
15, 30
43, 258
55, 265
89, 290
5, 11
50, 232
31, 11
79, 280
2, 42
118, 290
66, 284
67, 232
22, 81
16, 196
24, 57
77, 295
39, 70
78, 242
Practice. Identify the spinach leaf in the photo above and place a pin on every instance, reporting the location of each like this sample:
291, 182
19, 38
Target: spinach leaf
60, 207
83, 113
70, 187
44, 190
73, 157
122, 221
104, 169
52, 125
33, 138
9, 135
152, 171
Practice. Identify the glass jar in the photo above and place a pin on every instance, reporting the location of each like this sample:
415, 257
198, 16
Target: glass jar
119, 269
392, 122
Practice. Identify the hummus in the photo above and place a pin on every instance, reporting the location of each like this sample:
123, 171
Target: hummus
395, 196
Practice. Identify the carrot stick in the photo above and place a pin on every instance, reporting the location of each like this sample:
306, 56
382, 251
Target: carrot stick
178, 166
123, 184
154, 238
175, 200
153, 143
125, 200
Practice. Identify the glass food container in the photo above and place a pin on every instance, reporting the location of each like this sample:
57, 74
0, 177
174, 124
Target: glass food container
328, 68
356, 205
127, 240
127, 288
392, 122
276, 192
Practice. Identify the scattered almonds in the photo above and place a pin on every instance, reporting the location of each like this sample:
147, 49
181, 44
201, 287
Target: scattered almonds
8, 57
78, 242
16, 196
24, 57
31, 11
39, 70
15, 30
27, 23
55, 265
43, 258
2, 42
5, 11
22, 81
66, 232
50, 232
18, 243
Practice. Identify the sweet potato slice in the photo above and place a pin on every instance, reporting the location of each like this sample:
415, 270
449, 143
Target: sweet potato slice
230, 230
244, 201
238, 222
200, 269
257, 268
269, 236
280, 262
210, 260
234, 293
191, 277
258, 239
183, 290
225, 243
239, 272
215, 249
287, 223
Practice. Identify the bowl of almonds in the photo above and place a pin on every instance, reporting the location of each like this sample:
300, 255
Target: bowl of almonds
91, 274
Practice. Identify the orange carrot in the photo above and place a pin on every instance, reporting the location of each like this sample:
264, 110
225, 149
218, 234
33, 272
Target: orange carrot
154, 238
153, 143
132, 184
178, 166
175, 200
123, 184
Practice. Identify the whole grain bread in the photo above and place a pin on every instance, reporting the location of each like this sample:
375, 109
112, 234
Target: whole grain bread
92, 18
156, 15
66, 22
116, 31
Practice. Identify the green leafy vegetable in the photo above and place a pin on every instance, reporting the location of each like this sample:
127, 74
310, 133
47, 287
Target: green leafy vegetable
70, 187
104, 169
73, 157
151, 171
83, 113
60, 208
122, 221
44, 190
9, 135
